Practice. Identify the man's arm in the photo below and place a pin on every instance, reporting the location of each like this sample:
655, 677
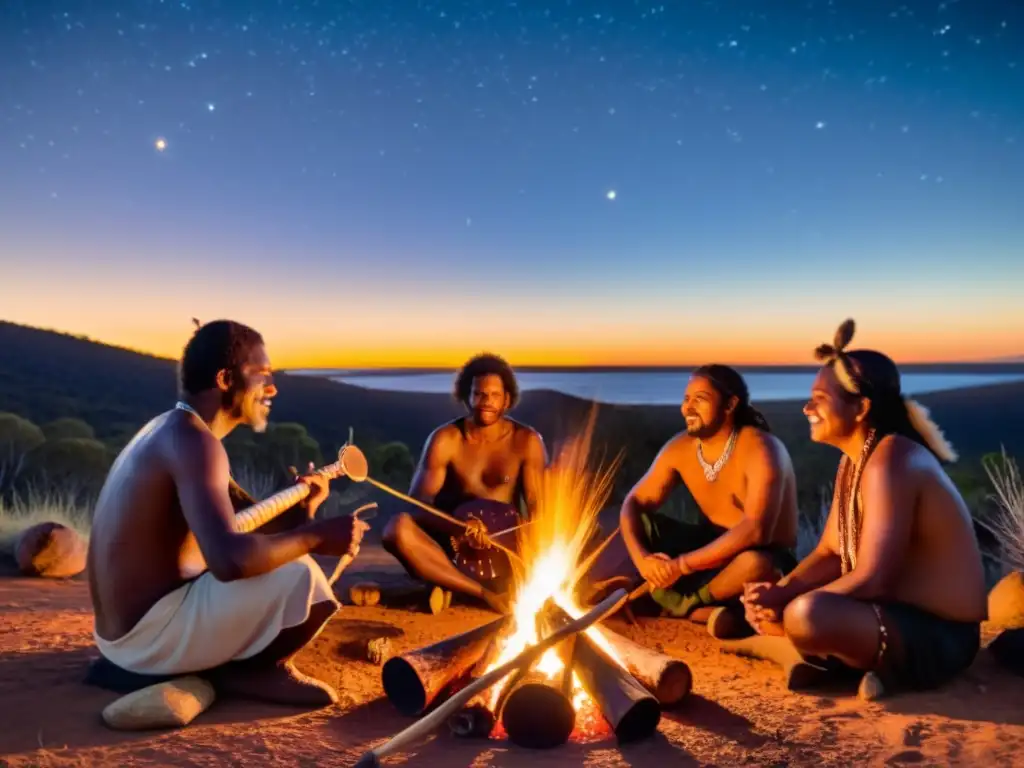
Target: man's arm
761, 508
428, 479
889, 495
533, 472
199, 466
821, 565
648, 495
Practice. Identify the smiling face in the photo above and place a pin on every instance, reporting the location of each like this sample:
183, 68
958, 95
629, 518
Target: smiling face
488, 399
834, 414
248, 392
705, 409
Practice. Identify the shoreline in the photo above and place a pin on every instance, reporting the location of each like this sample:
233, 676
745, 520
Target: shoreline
992, 368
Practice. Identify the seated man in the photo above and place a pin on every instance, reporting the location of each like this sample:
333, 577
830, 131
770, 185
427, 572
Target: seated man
486, 456
742, 479
165, 515
896, 586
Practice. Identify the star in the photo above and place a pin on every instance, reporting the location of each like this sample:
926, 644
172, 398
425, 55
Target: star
160, 144
611, 195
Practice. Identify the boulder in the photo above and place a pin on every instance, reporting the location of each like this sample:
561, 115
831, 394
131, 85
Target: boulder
1006, 601
50, 550
173, 704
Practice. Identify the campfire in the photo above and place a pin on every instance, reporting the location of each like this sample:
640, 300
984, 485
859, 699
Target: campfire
589, 686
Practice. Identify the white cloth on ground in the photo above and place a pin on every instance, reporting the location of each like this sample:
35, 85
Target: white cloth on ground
207, 622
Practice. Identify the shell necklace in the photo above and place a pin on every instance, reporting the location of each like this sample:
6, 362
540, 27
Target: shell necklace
711, 470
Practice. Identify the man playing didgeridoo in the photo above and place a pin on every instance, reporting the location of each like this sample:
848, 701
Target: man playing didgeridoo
895, 587
165, 515
485, 456
742, 479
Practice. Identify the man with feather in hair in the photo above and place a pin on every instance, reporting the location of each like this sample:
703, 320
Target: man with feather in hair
894, 593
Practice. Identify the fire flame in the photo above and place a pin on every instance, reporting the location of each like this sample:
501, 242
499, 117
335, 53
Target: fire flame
570, 498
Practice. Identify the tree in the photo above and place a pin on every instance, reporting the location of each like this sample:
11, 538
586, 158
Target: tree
392, 464
68, 427
75, 465
18, 436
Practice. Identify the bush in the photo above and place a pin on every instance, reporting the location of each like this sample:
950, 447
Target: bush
68, 428
36, 506
74, 464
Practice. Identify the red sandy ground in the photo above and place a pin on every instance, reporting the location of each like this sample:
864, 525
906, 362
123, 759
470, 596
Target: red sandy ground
739, 712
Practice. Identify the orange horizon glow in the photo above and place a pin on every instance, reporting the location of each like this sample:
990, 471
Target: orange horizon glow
387, 351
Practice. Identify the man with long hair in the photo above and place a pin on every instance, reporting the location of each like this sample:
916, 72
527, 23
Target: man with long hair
741, 477
175, 589
895, 588
484, 455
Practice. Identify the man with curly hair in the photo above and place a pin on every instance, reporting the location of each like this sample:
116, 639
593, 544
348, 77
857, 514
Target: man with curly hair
483, 456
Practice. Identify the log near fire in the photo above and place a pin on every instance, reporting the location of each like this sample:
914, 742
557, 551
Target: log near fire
413, 680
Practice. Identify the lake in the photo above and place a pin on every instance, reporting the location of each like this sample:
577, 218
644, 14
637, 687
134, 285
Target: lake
659, 387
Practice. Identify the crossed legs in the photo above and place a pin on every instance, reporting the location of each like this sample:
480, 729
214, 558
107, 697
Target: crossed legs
422, 557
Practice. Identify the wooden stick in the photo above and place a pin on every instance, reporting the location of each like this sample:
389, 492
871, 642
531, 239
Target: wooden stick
434, 511
431, 722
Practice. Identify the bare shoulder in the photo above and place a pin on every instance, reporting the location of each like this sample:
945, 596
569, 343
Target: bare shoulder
898, 458
443, 440
526, 438
188, 447
676, 448
756, 445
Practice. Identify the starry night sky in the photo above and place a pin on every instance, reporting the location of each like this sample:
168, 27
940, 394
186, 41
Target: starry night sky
402, 182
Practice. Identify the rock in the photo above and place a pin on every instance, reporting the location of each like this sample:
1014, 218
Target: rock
173, 704
364, 593
1006, 602
50, 550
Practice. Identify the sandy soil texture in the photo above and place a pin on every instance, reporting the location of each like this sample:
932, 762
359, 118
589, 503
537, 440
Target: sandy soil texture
738, 714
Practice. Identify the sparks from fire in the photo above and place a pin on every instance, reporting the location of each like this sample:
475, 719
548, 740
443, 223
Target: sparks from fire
571, 496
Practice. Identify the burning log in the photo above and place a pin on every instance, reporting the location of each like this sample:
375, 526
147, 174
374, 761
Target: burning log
630, 709
413, 680
668, 678
477, 718
537, 709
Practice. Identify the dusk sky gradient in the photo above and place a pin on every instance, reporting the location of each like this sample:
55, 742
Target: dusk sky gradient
395, 182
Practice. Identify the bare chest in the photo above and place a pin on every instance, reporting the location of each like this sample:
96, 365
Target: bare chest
721, 499
487, 470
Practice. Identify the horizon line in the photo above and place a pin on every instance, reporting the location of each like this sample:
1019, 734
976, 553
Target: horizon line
1013, 360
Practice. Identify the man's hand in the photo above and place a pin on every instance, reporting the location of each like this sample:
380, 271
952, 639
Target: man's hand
319, 488
342, 535
476, 533
763, 603
659, 569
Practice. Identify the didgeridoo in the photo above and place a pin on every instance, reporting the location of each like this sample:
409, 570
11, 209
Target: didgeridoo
439, 716
351, 463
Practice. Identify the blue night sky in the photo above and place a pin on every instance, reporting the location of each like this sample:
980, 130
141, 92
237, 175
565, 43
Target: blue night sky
559, 181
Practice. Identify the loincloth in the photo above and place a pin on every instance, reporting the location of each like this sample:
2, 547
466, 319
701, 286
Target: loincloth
207, 623
673, 537
923, 651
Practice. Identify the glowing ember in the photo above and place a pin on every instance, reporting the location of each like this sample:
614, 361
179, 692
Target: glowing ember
571, 496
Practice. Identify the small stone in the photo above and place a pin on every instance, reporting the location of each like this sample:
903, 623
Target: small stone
173, 704
1006, 602
871, 688
365, 593
50, 550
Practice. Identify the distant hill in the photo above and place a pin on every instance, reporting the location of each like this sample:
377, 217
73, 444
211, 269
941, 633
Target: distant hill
46, 375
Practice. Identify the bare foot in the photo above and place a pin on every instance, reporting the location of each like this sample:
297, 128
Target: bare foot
278, 684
